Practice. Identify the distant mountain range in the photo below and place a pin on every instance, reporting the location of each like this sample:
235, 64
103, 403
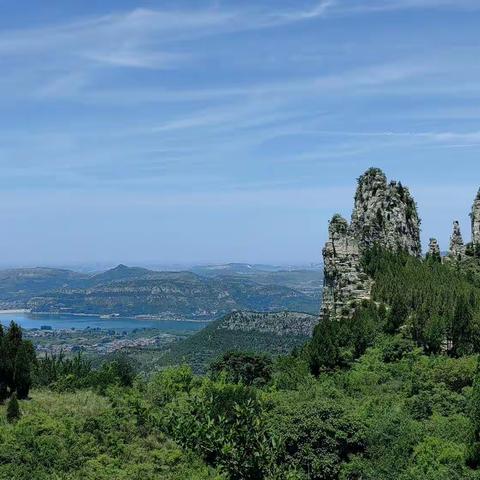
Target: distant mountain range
206, 292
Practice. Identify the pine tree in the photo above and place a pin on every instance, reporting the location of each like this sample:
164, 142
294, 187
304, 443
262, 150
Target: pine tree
462, 321
397, 316
13, 409
3, 367
324, 351
23, 366
474, 453
11, 342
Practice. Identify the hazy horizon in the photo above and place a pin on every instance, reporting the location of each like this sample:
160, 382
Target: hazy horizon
224, 131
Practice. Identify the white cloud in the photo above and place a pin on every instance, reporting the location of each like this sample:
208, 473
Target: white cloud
351, 7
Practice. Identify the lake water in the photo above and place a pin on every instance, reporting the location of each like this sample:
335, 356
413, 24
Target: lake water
28, 320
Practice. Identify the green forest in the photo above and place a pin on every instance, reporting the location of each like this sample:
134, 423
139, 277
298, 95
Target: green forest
390, 393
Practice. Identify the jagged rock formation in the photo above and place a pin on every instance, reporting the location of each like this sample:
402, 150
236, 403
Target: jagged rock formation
384, 214
344, 281
457, 246
475, 216
434, 249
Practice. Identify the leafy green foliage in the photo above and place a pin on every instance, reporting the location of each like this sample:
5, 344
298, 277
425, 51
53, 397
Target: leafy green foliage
246, 368
81, 436
316, 435
225, 424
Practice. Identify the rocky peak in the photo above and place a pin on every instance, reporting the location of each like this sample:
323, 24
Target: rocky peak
433, 249
337, 227
475, 216
385, 214
457, 246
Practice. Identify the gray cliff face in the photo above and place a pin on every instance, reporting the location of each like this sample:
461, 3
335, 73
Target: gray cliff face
457, 246
475, 216
384, 214
344, 282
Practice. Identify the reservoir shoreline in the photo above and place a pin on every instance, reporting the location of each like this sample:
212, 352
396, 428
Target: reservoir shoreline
153, 318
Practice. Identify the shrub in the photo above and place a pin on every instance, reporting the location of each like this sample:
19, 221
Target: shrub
225, 424
164, 386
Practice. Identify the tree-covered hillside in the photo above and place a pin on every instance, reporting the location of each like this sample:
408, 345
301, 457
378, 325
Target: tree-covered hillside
272, 333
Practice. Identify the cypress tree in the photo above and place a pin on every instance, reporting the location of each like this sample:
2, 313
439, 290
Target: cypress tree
474, 453
396, 316
3, 367
13, 409
10, 345
324, 351
23, 366
461, 325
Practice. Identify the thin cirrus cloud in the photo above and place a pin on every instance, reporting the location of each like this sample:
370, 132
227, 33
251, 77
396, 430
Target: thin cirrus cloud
371, 6
124, 39
191, 114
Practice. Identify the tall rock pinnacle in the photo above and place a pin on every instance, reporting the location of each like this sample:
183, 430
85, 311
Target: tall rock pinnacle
384, 214
475, 216
434, 249
457, 247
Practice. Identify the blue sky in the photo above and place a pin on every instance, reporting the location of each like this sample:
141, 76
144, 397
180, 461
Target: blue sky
228, 131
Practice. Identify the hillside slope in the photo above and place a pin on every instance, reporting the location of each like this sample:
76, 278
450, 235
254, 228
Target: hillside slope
274, 333
174, 294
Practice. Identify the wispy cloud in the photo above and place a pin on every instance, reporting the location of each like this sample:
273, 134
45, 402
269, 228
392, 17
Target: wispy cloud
134, 37
352, 7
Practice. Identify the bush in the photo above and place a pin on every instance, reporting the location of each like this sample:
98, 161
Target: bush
164, 386
224, 424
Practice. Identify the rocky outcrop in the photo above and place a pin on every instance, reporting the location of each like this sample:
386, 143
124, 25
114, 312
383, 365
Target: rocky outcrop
344, 281
277, 323
434, 249
475, 216
384, 214
457, 246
